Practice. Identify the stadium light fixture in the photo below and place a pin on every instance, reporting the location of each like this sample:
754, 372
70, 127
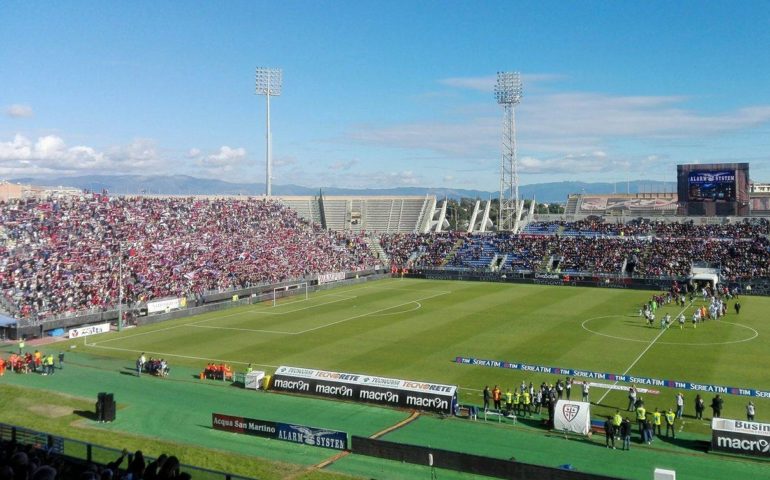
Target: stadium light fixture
269, 82
508, 93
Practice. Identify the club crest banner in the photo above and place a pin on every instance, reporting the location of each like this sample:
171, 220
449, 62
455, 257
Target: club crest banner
574, 417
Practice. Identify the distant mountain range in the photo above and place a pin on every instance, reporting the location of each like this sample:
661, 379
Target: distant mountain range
554, 192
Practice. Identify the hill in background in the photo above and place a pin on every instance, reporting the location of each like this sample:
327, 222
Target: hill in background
554, 192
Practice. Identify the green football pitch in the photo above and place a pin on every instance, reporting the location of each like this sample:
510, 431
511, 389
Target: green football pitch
414, 330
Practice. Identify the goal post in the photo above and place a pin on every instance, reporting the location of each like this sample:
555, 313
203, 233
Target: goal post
290, 290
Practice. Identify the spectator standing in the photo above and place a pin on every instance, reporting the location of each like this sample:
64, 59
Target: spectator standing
750, 411
609, 433
625, 432
700, 405
631, 398
716, 406
679, 405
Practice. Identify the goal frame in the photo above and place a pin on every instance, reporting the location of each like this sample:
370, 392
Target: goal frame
290, 290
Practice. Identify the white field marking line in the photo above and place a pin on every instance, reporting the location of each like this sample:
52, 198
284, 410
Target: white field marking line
419, 306
252, 330
166, 354
370, 313
376, 287
291, 302
251, 310
639, 357
698, 344
267, 312
85, 341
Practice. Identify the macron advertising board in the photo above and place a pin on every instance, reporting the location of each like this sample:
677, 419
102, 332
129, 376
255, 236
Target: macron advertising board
287, 432
738, 436
366, 388
89, 330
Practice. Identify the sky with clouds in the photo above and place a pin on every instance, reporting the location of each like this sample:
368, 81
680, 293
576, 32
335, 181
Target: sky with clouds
383, 94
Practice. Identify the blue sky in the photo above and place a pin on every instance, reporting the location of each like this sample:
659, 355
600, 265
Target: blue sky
383, 94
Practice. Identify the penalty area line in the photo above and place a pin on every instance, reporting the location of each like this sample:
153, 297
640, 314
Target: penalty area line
370, 313
189, 357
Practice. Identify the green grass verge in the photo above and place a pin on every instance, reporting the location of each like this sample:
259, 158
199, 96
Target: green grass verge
406, 329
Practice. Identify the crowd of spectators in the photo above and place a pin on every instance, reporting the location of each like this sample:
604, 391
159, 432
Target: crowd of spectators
72, 254
30, 462
75, 254
740, 250
424, 250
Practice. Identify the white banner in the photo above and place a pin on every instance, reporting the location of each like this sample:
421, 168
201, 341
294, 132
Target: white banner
367, 380
740, 426
572, 417
89, 330
163, 305
330, 277
610, 386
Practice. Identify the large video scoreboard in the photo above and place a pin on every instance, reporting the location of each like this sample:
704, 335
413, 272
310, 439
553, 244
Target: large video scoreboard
716, 189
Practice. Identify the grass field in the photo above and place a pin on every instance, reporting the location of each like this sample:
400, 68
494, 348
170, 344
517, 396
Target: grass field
413, 329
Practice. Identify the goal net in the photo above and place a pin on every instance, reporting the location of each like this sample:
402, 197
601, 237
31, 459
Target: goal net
295, 289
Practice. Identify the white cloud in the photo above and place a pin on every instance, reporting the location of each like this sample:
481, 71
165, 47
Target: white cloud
19, 111
449, 139
47, 155
226, 156
487, 83
224, 160
51, 155
566, 124
481, 84
343, 165
592, 162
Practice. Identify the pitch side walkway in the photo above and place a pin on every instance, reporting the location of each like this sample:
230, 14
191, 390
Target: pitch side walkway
179, 408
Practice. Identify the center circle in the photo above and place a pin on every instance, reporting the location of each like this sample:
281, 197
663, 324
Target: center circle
754, 334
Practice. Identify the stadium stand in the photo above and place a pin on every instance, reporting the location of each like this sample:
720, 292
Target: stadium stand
64, 255
741, 250
360, 214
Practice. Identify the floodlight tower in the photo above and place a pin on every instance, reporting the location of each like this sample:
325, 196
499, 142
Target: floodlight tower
269, 82
508, 91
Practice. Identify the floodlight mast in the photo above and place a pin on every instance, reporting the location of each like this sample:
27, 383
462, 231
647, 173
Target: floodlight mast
269, 83
508, 92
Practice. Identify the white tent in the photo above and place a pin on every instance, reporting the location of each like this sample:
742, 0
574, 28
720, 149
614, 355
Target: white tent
707, 277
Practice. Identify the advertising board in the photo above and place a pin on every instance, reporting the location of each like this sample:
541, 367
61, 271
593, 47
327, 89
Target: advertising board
330, 277
316, 437
164, 305
738, 436
367, 388
89, 330
614, 377
711, 185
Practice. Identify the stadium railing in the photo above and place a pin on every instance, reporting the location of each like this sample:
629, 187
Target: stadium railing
79, 451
